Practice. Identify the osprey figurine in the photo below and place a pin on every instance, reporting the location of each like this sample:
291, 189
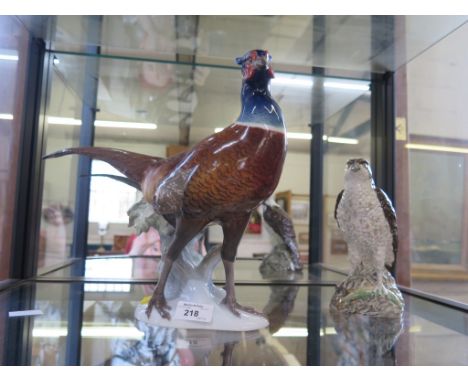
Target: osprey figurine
366, 217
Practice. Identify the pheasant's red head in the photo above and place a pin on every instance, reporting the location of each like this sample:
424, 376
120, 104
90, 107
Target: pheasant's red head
255, 61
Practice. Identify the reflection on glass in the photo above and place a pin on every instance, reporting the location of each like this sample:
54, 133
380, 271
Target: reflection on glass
440, 241
58, 196
13, 64
365, 340
436, 152
216, 39
279, 306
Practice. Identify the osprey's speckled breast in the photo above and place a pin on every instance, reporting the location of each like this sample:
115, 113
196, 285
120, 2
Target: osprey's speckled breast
367, 219
365, 227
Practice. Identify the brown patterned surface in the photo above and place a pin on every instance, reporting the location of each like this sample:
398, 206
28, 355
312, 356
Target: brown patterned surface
232, 171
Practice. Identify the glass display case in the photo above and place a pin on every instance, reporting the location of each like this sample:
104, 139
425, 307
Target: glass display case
157, 85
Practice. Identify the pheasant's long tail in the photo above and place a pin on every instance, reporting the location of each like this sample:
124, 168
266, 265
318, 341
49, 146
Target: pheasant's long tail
133, 165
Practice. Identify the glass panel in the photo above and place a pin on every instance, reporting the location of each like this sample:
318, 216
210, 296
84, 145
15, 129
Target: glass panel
63, 115
348, 131
13, 70
301, 331
432, 175
438, 242
348, 43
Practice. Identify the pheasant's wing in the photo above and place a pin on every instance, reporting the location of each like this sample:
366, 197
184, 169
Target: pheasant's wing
212, 188
338, 200
390, 215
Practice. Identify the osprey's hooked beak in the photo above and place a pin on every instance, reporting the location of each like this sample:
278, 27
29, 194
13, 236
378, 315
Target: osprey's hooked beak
355, 167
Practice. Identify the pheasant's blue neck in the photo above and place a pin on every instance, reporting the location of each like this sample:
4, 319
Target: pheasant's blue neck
258, 108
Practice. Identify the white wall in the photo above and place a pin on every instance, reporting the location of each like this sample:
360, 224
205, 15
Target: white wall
437, 94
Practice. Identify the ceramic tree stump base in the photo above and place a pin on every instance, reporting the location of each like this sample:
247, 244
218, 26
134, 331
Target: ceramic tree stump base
190, 283
212, 315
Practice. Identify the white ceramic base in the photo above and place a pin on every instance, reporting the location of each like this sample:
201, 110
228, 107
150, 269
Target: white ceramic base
198, 291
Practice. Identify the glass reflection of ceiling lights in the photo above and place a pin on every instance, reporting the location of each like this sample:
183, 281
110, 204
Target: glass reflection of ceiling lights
307, 82
6, 116
308, 136
8, 55
441, 148
98, 123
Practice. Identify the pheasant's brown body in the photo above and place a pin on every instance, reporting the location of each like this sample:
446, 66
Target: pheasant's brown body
229, 172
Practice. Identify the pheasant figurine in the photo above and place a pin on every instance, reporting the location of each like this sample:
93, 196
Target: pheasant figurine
221, 179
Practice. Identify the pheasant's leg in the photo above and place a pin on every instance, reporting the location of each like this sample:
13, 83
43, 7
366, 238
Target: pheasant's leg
185, 231
233, 230
227, 353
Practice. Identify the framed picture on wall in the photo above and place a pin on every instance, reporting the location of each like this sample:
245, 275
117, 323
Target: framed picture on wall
299, 211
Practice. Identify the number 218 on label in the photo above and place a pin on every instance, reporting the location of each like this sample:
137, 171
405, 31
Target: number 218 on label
191, 313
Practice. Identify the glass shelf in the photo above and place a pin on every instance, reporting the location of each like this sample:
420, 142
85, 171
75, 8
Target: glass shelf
301, 332
145, 268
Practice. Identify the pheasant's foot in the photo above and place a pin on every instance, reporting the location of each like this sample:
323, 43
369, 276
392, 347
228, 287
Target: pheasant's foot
158, 302
235, 307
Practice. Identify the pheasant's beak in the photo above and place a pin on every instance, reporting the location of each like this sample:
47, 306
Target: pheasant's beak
261, 62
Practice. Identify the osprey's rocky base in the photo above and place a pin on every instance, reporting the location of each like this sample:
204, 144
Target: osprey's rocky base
358, 294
